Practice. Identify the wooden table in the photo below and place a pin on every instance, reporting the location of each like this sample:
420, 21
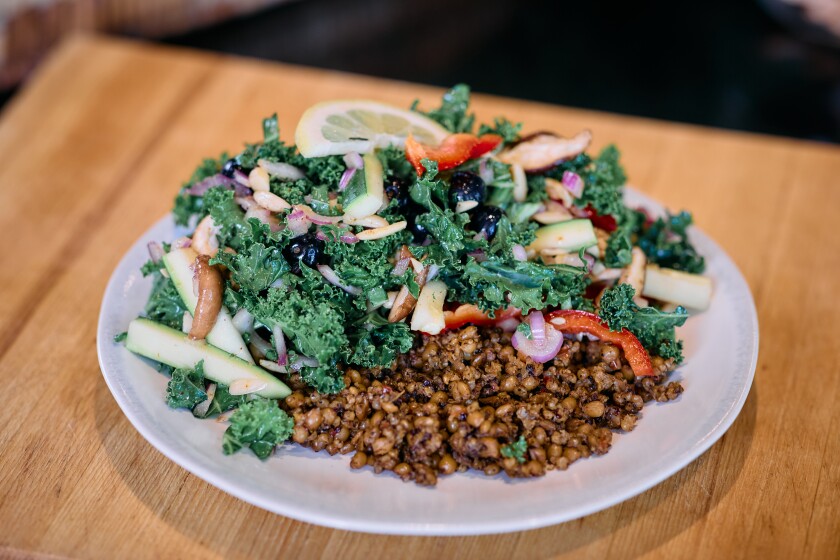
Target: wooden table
95, 147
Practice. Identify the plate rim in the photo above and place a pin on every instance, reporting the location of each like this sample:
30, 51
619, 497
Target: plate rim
535, 521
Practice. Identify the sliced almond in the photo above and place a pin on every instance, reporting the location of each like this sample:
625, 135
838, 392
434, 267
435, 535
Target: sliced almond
465, 206
271, 201
368, 221
520, 182
380, 232
552, 217
246, 386
258, 179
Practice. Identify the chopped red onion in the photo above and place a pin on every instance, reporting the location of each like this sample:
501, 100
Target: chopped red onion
519, 253
242, 191
331, 277
281, 170
280, 345
348, 238
321, 236
539, 351
537, 323
217, 180
353, 161
479, 255
346, 177
240, 177
155, 251
573, 183
181, 243
432, 273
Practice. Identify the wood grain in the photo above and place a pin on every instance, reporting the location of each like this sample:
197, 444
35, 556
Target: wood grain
94, 149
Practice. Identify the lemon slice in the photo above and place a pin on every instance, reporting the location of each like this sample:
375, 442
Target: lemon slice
344, 126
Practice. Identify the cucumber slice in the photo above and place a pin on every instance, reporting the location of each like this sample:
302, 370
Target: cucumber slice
224, 335
680, 288
173, 348
568, 236
366, 192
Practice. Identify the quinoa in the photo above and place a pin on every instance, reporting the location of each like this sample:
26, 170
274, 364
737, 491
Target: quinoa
462, 399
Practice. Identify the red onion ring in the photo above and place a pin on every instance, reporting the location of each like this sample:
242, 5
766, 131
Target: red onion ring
573, 183
298, 222
348, 238
155, 251
537, 324
540, 352
346, 177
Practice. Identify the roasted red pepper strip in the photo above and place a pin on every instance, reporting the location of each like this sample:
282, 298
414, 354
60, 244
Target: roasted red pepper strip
452, 152
469, 313
576, 322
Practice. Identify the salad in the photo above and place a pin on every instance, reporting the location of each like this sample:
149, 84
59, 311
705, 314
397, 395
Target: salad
423, 293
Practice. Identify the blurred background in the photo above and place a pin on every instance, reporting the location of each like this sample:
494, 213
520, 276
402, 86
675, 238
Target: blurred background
769, 66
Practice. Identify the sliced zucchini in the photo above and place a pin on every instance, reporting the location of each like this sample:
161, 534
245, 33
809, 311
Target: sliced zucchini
680, 288
224, 335
568, 236
173, 348
365, 193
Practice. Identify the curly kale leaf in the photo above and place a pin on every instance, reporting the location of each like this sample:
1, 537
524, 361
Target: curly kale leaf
255, 267
666, 243
507, 130
380, 345
227, 216
164, 305
516, 449
187, 205
443, 224
186, 387
655, 329
527, 285
603, 179
620, 243
452, 113
222, 402
271, 132
260, 425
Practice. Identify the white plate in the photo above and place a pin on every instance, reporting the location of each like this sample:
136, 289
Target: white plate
721, 347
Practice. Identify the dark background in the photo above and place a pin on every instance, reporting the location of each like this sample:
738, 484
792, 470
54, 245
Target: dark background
723, 63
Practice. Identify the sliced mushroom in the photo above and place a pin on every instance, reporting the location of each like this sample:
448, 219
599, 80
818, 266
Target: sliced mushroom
542, 151
210, 292
404, 302
634, 275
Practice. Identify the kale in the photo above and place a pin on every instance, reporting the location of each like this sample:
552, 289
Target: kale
365, 265
164, 305
395, 163
271, 132
516, 449
380, 345
443, 224
655, 329
666, 243
507, 130
227, 216
120, 337
222, 402
186, 387
260, 425
620, 243
452, 113
536, 189
526, 285
255, 267
186, 205
603, 178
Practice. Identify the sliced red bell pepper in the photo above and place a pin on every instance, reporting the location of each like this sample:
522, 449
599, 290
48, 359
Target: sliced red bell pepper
604, 222
576, 322
452, 152
468, 313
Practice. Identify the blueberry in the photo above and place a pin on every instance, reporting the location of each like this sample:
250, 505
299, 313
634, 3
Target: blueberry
466, 187
306, 249
485, 219
398, 188
229, 167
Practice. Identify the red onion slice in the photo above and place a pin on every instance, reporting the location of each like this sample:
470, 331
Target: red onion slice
540, 352
217, 180
537, 324
485, 172
573, 183
260, 344
519, 253
280, 346
346, 177
353, 161
240, 177
348, 238
331, 277
303, 361
155, 251
317, 218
